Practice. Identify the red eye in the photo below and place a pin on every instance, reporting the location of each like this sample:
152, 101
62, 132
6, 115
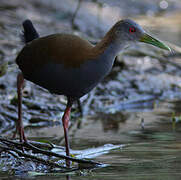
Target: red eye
132, 30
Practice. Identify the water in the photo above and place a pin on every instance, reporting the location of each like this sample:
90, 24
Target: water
148, 151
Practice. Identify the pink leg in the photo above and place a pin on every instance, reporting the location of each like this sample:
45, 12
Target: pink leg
19, 124
65, 121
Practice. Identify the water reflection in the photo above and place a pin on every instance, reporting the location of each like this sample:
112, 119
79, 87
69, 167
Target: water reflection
110, 122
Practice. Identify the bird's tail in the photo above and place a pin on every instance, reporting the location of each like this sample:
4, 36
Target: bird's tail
29, 33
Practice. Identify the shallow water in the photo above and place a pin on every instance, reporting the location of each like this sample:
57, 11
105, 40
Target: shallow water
150, 151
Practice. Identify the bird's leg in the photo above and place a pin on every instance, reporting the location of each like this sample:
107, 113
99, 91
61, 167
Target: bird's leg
19, 123
80, 107
65, 122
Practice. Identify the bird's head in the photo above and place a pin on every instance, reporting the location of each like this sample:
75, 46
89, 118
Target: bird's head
129, 31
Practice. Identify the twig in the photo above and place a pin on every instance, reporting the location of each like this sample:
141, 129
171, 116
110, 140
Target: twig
75, 14
89, 101
45, 152
173, 55
33, 158
49, 153
160, 59
37, 144
164, 60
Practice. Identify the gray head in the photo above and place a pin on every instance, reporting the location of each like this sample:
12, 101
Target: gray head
127, 31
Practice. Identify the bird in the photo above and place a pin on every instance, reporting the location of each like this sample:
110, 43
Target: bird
66, 64
29, 34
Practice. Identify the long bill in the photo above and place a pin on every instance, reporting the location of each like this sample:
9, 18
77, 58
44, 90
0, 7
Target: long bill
146, 38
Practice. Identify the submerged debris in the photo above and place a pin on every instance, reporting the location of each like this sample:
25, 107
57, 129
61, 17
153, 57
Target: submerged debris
43, 157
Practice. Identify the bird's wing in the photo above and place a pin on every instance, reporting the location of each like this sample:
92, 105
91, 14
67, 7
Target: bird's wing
69, 50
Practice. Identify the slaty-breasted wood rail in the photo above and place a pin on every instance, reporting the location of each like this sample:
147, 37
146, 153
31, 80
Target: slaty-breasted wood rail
66, 64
